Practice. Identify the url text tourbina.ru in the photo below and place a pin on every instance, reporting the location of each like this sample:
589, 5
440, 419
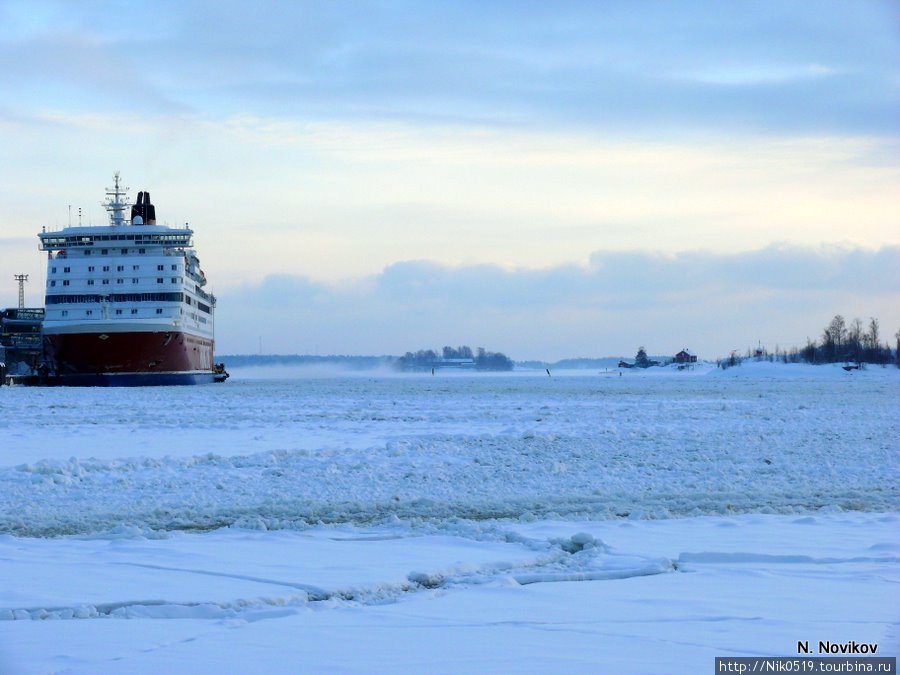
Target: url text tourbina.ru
787, 664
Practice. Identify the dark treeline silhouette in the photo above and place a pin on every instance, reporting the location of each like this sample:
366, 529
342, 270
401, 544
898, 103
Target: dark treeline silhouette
641, 360
492, 360
458, 353
458, 357
841, 342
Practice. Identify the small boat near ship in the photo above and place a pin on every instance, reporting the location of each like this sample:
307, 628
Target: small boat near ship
125, 303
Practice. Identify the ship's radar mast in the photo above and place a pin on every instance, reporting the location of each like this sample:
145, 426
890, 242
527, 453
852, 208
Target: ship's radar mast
115, 203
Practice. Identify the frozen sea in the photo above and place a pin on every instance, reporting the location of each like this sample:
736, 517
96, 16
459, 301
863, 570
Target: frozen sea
314, 521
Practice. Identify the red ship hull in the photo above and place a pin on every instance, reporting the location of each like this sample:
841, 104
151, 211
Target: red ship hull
132, 358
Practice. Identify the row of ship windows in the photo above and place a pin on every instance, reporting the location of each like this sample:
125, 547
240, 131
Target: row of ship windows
128, 297
119, 268
105, 251
90, 312
177, 239
64, 253
105, 282
119, 312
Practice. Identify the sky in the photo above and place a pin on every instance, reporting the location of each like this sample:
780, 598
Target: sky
549, 180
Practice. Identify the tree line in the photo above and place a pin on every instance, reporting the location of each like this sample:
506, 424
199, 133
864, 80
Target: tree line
459, 357
841, 342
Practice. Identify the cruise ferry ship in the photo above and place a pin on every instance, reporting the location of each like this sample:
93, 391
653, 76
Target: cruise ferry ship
125, 302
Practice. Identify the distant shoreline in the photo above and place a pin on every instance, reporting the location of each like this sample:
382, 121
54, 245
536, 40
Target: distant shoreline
584, 366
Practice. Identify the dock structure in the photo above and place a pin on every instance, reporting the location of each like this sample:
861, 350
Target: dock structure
21, 345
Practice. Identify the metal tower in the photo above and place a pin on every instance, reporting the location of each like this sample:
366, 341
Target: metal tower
21, 278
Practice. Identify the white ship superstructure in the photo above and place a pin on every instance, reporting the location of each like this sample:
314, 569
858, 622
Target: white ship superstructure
125, 302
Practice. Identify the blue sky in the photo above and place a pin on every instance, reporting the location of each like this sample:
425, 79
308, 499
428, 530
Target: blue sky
402, 175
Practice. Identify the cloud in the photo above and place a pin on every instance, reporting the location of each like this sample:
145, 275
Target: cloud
778, 267
757, 74
781, 292
647, 277
597, 65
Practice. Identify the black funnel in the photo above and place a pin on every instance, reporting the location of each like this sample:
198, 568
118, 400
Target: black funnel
149, 210
136, 207
143, 208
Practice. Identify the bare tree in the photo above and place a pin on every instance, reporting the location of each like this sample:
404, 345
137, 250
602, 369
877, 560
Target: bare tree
854, 339
833, 339
872, 333
838, 328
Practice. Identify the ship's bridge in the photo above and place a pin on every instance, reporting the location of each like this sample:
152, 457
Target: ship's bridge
126, 235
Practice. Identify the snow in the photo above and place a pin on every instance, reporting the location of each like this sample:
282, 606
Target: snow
461, 523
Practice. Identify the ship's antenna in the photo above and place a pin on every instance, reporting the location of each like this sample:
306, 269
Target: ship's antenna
116, 202
21, 278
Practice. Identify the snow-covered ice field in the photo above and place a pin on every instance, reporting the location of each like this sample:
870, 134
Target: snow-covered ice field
298, 522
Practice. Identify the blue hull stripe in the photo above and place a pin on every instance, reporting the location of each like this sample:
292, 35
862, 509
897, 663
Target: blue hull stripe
135, 379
